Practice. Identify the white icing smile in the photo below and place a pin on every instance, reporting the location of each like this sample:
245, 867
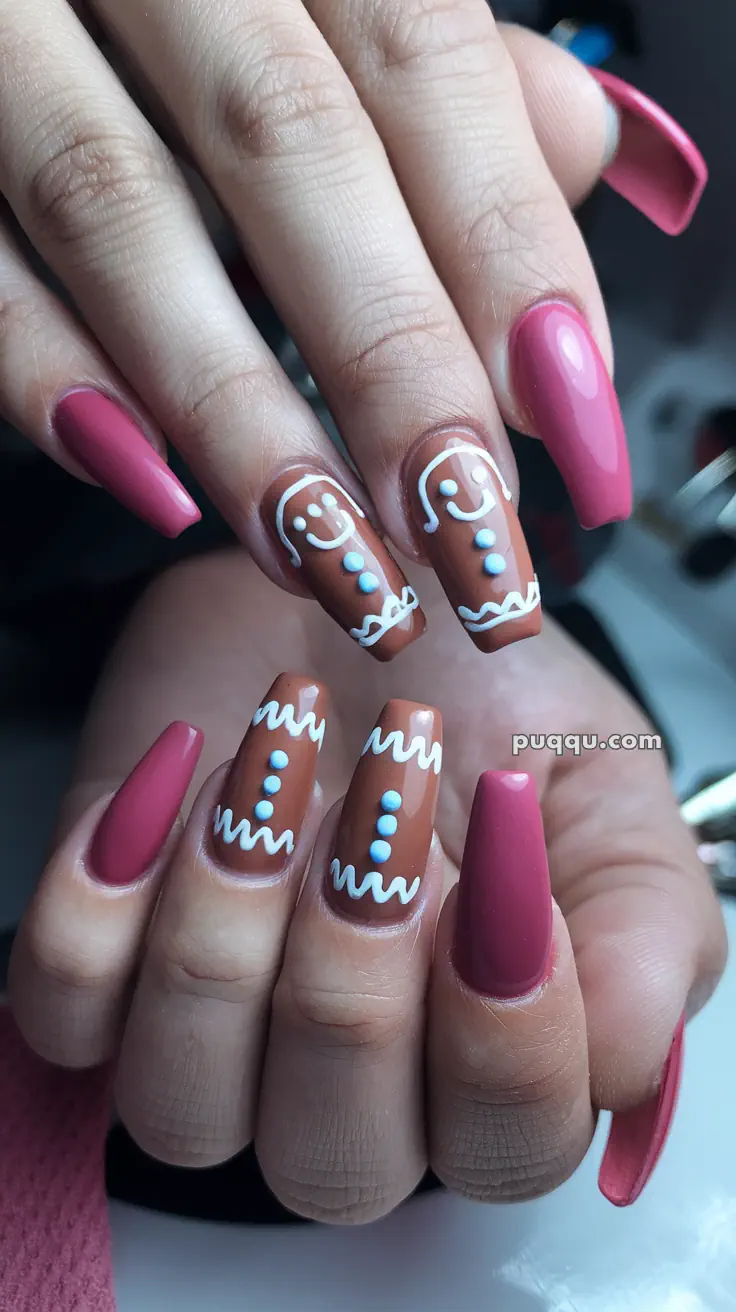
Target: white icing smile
299, 524
324, 544
488, 501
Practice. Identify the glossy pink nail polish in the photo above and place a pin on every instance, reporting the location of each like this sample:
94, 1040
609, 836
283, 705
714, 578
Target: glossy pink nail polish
637, 1138
561, 380
140, 816
503, 932
657, 167
111, 448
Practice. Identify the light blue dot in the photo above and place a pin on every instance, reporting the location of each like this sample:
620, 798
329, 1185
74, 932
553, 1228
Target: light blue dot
353, 562
368, 582
264, 810
448, 487
278, 760
485, 538
494, 564
380, 851
271, 784
387, 825
391, 800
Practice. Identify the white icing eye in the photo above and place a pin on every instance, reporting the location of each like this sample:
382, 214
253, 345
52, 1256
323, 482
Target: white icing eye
329, 500
479, 474
300, 523
448, 487
314, 510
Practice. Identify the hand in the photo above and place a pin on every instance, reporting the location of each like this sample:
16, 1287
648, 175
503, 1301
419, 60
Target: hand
354, 1096
398, 175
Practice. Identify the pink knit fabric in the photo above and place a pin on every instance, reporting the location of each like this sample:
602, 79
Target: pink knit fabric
54, 1228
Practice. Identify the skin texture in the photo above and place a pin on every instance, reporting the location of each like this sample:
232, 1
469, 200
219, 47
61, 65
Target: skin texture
636, 930
382, 172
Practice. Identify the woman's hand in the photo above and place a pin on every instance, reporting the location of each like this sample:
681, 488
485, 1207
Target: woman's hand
358, 1052
398, 173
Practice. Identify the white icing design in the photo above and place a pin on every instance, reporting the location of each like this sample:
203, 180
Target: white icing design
395, 742
321, 543
372, 883
393, 611
512, 607
247, 838
275, 715
487, 500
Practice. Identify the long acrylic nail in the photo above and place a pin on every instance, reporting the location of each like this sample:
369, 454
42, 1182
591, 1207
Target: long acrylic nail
467, 526
140, 816
256, 823
503, 931
328, 538
385, 829
111, 448
637, 1138
657, 167
561, 380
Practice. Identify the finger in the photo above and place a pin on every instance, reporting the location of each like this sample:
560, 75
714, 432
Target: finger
273, 130
509, 1105
78, 944
190, 1059
340, 1131
648, 939
98, 194
446, 98
57, 387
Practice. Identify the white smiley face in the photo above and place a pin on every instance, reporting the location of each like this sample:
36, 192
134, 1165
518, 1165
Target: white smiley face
448, 487
315, 510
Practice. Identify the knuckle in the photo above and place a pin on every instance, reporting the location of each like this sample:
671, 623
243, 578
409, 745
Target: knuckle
416, 36
93, 179
220, 389
513, 220
211, 971
331, 1021
294, 103
414, 344
64, 965
310, 1191
21, 319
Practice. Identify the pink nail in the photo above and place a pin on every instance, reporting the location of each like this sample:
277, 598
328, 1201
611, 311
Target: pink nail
658, 168
140, 816
637, 1137
503, 932
561, 380
111, 448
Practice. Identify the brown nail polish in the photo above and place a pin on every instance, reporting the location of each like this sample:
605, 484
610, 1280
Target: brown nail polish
256, 824
469, 529
329, 540
385, 829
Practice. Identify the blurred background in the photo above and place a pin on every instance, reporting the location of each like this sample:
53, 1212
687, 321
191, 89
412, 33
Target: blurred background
661, 603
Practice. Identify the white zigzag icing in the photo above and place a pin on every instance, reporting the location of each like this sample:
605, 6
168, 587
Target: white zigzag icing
511, 608
393, 611
373, 883
275, 715
243, 834
396, 742
460, 448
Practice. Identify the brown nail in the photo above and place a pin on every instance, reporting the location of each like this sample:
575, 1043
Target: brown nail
385, 829
328, 539
469, 529
266, 793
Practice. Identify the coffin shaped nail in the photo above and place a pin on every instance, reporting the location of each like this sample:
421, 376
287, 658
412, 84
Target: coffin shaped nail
328, 539
503, 931
140, 816
385, 829
256, 822
467, 526
562, 381
657, 166
637, 1138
